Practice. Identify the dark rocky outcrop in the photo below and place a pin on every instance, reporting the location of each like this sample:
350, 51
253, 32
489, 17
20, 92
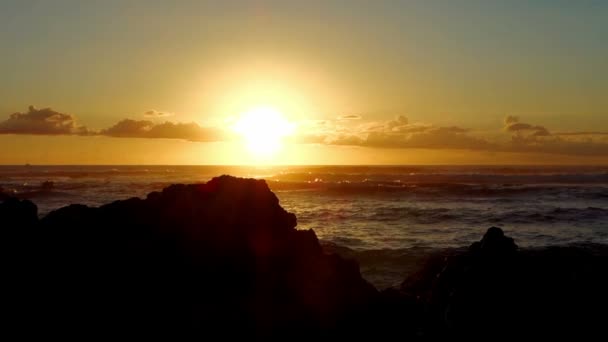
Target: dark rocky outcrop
215, 258
494, 289
224, 259
18, 214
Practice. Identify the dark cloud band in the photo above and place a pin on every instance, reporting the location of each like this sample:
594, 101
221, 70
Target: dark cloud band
128, 128
47, 121
396, 133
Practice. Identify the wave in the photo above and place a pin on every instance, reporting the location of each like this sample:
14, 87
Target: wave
573, 215
368, 207
446, 216
503, 193
441, 189
419, 215
404, 174
453, 178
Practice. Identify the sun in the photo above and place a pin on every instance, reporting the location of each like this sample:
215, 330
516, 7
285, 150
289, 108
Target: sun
263, 130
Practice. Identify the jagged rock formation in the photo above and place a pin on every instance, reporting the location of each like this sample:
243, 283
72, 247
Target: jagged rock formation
221, 257
224, 259
494, 289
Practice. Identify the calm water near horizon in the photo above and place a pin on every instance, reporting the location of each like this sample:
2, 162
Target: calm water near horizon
370, 207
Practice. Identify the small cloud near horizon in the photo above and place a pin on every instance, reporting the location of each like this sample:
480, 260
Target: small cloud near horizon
156, 114
350, 117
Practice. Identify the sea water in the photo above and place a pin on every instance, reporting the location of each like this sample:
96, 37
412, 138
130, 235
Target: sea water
370, 207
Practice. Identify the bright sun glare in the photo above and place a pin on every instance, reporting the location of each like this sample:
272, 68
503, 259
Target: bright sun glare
263, 129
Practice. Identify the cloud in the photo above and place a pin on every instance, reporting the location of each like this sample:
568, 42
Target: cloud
397, 133
425, 137
527, 138
350, 117
401, 133
510, 119
400, 121
512, 124
557, 145
128, 128
310, 138
155, 114
43, 121
580, 133
47, 121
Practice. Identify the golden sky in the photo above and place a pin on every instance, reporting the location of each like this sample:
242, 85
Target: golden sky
331, 82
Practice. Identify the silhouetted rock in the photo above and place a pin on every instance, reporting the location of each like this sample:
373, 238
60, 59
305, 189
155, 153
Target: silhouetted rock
224, 259
494, 243
492, 288
15, 213
221, 257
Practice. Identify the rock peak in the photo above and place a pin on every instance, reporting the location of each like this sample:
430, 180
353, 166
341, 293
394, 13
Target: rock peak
494, 242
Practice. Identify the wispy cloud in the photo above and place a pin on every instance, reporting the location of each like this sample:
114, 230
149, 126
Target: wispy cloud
396, 133
350, 117
401, 133
527, 137
512, 124
128, 128
581, 133
156, 114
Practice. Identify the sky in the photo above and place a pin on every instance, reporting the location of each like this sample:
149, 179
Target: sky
360, 82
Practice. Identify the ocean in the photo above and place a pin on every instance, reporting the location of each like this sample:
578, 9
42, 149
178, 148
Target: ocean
370, 207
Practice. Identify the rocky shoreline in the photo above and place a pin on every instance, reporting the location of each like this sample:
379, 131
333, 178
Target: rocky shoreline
223, 258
